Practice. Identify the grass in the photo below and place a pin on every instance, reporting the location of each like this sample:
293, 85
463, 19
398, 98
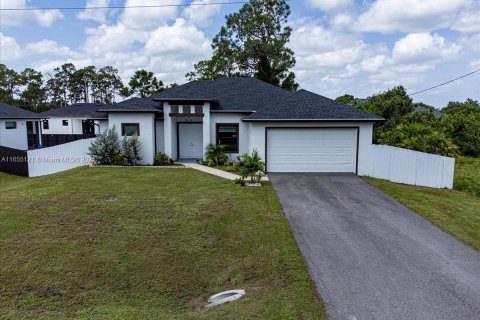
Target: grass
467, 175
103, 243
456, 212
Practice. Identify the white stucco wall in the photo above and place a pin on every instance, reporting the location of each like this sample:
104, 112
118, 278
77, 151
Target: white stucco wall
147, 131
257, 138
74, 126
160, 138
14, 138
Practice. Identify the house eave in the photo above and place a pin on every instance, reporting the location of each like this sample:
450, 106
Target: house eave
313, 120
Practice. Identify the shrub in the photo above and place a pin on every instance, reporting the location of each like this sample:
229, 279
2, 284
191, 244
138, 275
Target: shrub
252, 166
105, 149
162, 159
216, 154
131, 150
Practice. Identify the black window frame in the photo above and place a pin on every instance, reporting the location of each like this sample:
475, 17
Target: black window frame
217, 138
10, 122
130, 124
46, 125
65, 123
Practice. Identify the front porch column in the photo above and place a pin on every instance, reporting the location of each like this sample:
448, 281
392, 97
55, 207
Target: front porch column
167, 129
206, 126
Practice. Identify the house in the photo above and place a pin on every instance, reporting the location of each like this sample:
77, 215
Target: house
293, 131
73, 122
19, 128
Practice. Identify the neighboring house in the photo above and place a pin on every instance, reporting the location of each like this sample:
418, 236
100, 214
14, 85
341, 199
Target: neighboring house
73, 122
423, 108
19, 128
293, 131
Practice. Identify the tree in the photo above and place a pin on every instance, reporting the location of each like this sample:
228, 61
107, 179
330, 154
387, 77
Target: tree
253, 43
461, 122
81, 83
346, 99
391, 105
60, 86
10, 82
142, 84
34, 94
216, 154
421, 132
106, 85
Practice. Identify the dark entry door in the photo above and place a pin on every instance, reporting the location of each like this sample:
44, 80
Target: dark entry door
88, 127
32, 134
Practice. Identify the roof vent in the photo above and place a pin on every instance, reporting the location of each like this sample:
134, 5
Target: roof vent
225, 296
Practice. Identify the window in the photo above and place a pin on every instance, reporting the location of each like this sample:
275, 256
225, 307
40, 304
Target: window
46, 125
227, 134
130, 129
10, 124
64, 123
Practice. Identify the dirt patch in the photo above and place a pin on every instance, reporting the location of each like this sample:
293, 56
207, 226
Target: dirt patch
110, 198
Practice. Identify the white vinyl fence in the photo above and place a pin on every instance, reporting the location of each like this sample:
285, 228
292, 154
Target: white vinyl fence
58, 158
412, 167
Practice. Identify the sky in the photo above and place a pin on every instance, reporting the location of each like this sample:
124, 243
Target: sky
359, 47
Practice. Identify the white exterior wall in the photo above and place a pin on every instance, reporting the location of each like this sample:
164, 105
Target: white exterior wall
14, 138
160, 138
256, 138
74, 126
243, 138
102, 126
147, 131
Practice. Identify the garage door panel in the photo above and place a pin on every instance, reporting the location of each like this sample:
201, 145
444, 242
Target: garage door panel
311, 150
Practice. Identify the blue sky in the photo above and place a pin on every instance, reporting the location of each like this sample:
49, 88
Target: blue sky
341, 46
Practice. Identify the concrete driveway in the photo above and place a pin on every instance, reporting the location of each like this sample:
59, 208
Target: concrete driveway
372, 258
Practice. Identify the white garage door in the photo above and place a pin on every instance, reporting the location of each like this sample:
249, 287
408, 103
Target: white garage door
311, 149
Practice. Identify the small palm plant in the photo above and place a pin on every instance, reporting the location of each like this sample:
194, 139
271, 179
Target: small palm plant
252, 166
216, 154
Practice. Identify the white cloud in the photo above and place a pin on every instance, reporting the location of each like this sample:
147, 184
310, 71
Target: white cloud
49, 47
201, 15
390, 16
9, 49
99, 15
468, 20
424, 48
328, 5
148, 19
44, 18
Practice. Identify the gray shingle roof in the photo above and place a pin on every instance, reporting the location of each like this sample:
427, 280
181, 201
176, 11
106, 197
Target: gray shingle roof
229, 94
306, 105
135, 105
11, 112
80, 110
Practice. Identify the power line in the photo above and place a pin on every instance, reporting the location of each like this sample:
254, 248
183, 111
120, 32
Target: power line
122, 7
442, 84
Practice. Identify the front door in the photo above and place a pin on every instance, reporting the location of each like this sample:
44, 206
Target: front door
190, 141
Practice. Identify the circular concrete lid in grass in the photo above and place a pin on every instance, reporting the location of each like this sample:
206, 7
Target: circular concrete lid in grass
225, 296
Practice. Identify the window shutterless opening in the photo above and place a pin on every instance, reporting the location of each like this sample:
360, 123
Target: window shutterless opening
64, 123
46, 125
130, 129
10, 124
227, 134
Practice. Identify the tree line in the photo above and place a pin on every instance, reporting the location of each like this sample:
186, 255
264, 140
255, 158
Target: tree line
453, 130
32, 90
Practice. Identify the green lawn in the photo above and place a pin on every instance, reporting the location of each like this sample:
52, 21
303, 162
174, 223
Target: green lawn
467, 175
454, 211
141, 243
